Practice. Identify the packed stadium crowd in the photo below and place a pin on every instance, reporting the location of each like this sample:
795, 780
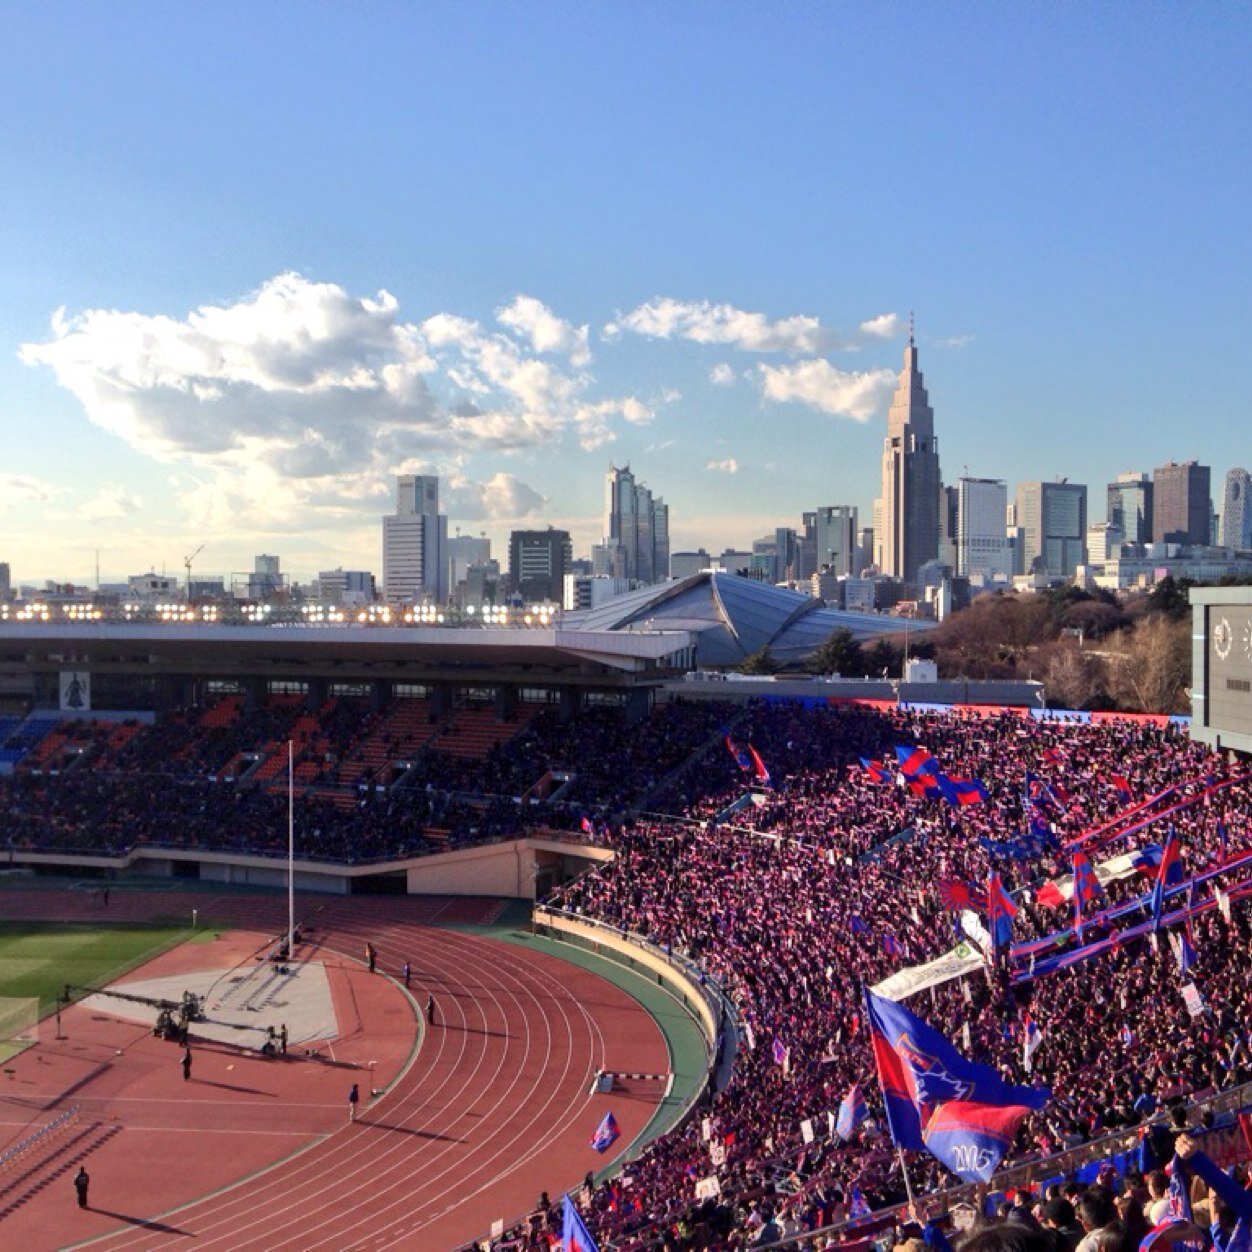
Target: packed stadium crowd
184, 782
830, 884
803, 860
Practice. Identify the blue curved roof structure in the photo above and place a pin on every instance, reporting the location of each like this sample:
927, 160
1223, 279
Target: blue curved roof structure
733, 617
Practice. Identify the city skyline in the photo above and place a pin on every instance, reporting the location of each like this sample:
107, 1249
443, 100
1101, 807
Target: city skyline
620, 272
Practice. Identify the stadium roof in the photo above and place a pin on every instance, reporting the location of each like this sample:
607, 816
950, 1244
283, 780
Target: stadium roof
733, 617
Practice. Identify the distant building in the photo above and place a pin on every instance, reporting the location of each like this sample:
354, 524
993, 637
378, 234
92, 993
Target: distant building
266, 580
1130, 506
636, 530
586, 591
151, 587
6, 581
684, 564
910, 477
1104, 542
414, 570
1182, 504
1053, 522
1236, 514
537, 563
982, 542
835, 533
462, 551
345, 586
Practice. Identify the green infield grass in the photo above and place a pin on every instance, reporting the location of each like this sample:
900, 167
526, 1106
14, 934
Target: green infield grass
37, 959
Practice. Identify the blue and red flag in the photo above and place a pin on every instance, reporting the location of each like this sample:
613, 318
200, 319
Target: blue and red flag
742, 759
587, 825
606, 1134
962, 791
915, 761
891, 945
1223, 839
1000, 912
1122, 786
781, 1052
925, 787
575, 1237
964, 1114
1169, 874
1032, 1037
858, 1206
1147, 860
877, 771
762, 774
852, 1112
1087, 889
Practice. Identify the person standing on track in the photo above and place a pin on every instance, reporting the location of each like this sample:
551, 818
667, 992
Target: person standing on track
408, 972
186, 1063
430, 1009
354, 1098
371, 956
82, 1180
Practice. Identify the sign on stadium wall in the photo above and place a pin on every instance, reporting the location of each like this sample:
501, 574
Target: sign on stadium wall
75, 690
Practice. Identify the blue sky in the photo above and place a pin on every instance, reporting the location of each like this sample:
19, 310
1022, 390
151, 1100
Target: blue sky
297, 249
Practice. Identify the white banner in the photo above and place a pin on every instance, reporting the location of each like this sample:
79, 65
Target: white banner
708, 1188
1192, 998
75, 690
1115, 868
963, 959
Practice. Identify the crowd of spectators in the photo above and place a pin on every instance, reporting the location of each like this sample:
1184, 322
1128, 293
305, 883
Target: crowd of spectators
187, 781
793, 904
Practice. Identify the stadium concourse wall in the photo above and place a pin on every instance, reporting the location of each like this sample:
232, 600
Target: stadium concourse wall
512, 869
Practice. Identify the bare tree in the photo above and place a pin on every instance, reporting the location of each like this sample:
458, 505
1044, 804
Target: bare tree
1151, 665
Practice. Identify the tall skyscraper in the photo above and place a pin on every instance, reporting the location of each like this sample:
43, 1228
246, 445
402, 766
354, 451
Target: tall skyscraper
982, 541
836, 537
1130, 509
910, 476
1237, 511
1052, 518
414, 568
1182, 503
538, 560
636, 530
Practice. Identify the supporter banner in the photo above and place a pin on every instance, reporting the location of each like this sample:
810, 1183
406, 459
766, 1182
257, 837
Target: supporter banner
962, 960
1116, 867
75, 690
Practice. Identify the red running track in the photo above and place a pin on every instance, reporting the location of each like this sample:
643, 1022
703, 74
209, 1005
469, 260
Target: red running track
494, 1108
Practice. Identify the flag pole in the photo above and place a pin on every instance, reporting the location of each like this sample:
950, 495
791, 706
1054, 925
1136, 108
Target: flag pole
908, 1186
291, 848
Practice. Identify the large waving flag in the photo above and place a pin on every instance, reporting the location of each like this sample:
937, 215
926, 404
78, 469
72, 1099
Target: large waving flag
1169, 874
1087, 890
915, 761
1000, 913
742, 759
964, 1114
956, 895
1121, 785
575, 1237
877, 771
762, 774
852, 1112
607, 1133
962, 791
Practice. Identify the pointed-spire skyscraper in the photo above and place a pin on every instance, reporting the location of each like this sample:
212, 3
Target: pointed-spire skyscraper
910, 476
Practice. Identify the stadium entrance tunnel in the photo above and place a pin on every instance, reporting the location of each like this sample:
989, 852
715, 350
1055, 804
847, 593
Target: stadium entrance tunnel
379, 885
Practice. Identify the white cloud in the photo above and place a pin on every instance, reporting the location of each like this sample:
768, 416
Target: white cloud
20, 488
818, 384
534, 321
501, 498
721, 375
701, 321
300, 397
728, 466
955, 341
884, 326
110, 503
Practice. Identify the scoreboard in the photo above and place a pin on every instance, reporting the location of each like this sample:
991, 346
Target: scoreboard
1221, 669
